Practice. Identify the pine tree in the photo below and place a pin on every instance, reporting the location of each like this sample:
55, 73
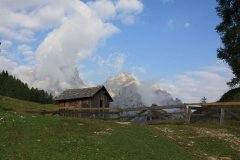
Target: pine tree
229, 31
12, 87
203, 99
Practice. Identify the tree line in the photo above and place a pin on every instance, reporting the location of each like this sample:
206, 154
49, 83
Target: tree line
12, 87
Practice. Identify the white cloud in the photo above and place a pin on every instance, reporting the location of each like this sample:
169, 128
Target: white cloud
34, 14
21, 19
22, 35
25, 73
128, 9
124, 10
5, 44
4, 47
186, 25
119, 61
130, 91
105, 9
7, 64
221, 69
25, 49
58, 54
75, 29
192, 86
138, 69
115, 61
27, 53
152, 93
129, 6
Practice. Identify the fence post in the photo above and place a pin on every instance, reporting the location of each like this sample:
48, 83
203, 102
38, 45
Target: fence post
185, 112
120, 115
188, 114
150, 113
222, 114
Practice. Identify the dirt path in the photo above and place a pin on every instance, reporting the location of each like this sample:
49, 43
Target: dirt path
188, 138
221, 134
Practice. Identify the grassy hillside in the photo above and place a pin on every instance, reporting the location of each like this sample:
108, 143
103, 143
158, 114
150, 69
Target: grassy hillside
232, 95
48, 137
26, 136
7, 103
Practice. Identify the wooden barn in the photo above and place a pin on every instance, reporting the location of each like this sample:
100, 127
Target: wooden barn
93, 97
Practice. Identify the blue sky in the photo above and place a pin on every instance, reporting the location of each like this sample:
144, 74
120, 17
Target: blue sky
168, 38
169, 42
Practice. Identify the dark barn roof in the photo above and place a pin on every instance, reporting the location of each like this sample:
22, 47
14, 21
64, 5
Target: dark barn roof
71, 94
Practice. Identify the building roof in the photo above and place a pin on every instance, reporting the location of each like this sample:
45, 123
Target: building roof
71, 94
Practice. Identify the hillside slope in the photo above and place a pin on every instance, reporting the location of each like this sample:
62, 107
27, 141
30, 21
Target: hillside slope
232, 95
11, 104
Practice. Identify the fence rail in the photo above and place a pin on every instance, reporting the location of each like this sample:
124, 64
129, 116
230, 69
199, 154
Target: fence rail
87, 109
220, 109
182, 113
216, 104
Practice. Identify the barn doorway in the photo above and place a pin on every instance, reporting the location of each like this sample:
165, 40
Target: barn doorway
101, 106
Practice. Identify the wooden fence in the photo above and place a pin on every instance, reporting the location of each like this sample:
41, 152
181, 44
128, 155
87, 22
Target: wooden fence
99, 113
195, 111
183, 113
154, 114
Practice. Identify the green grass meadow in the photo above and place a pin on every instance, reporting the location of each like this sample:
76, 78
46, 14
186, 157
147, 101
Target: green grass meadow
37, 137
